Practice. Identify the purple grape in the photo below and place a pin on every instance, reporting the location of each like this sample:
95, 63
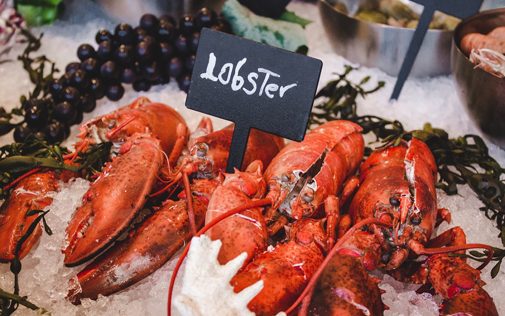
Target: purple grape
141, 85
175, 67
205, 18
71, 68
55, 132
167, 32
85, 51
21, 133
167, 51
96, 88
186, 25
149, 22
124, 34
144, 51
182, 44
55, 88
104, 50
87, 103
79, 79
128, 75
90, 65
184, 82
139, 34
109, 70
36, 114
115, 91
150, 71
71, 95
103, 35
65, 112
124, 54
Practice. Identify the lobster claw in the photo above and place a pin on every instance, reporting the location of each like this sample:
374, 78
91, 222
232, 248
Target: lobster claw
114, 199
145, 250
31, 193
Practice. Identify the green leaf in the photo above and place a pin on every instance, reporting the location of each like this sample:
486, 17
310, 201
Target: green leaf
289, 16
496, 269
33, 212
38, 15
477, 254
502, 235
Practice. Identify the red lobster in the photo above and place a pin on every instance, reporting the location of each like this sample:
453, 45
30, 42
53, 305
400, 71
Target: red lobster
301, 178
152, 244
30, 191
396, 212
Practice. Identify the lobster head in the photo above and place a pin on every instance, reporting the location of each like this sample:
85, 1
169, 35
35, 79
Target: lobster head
141, 116
398, 187
249, 181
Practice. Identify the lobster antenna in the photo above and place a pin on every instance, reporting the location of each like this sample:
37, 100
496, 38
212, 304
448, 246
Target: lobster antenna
308, 289
168, 186
214, 222
449, 249
115, 130
21, 177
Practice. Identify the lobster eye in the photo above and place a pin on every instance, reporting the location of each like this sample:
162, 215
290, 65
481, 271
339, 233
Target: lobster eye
394, 201
415, 219
201, 152
308, 197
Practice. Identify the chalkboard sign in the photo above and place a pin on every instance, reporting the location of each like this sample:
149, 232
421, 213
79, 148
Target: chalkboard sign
459, 8
254, 86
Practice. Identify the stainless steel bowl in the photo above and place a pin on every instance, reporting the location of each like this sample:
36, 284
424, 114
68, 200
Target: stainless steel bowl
482, 93
383, 46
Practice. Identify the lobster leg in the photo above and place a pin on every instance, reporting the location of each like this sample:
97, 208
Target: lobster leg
180, 143
350, 187
458, 283
331, 207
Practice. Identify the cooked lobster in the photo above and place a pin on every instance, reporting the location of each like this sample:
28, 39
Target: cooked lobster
199, 169
301, 178
395, 211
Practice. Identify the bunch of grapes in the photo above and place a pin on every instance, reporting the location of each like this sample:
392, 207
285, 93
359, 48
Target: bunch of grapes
152, 53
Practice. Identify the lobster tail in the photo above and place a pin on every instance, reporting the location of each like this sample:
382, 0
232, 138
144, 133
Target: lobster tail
346, 288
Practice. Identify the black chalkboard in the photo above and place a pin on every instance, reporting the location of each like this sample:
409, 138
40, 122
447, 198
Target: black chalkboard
458, 8
254, 86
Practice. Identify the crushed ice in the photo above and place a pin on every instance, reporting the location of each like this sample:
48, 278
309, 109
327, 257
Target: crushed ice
44, 278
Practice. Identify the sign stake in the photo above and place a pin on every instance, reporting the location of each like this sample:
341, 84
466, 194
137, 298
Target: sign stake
458, 8
254, 86
237, 147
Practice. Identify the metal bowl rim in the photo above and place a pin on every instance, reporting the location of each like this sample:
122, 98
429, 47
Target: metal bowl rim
384, 26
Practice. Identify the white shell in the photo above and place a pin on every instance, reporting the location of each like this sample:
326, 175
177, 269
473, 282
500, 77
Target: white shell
206, 288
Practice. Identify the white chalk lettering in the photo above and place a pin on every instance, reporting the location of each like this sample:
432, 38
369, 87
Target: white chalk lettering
286, 88
269, 86
222, 72
267, 73
237, 81
208, 74
252, 80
